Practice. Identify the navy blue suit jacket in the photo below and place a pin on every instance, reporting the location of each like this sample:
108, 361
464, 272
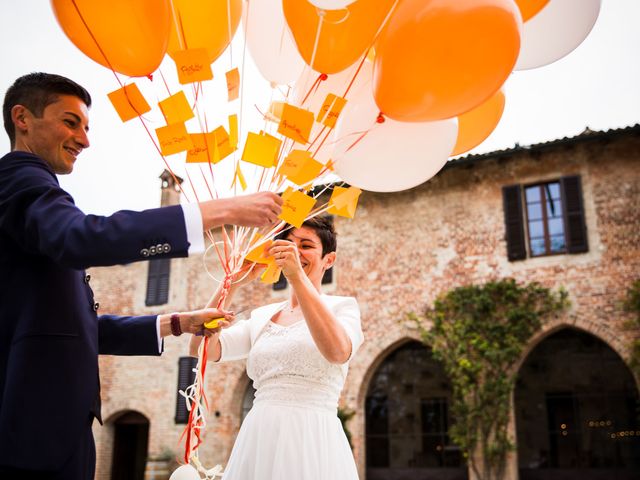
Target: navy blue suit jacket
50, 335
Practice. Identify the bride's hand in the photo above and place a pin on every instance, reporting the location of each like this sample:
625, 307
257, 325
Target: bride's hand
287, 258
248, 273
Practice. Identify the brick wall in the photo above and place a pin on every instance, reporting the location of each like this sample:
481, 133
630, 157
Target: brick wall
401, 251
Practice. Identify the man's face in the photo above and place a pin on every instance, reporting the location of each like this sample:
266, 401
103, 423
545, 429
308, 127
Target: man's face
60, 134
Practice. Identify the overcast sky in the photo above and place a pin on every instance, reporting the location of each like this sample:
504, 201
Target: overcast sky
597, 85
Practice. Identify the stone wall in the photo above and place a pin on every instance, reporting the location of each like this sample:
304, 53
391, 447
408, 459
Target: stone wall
401, 251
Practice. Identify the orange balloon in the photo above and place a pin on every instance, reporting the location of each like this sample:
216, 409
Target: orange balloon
529, 8
128, 37
345, 35
477, 124
204, 24
437, 59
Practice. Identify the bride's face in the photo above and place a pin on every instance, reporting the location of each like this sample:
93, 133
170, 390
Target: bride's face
309, 247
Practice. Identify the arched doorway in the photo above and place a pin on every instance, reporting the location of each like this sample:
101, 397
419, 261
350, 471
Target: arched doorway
576, 409
130, 442
408, 418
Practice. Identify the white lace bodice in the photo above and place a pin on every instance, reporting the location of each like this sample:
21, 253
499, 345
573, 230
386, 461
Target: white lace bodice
287, 367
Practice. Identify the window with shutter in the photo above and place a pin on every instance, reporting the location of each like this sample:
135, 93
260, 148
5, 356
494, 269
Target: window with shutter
186, 376
158, 281
553, 215
514, 228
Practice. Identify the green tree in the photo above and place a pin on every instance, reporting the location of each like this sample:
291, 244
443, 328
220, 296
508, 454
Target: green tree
479, 333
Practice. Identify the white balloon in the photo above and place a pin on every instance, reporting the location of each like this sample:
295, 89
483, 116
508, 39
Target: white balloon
337, 84
391, 156
331, 4
556, 31
270, 42
185, 472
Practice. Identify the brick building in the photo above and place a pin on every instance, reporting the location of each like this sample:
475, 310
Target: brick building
563, 213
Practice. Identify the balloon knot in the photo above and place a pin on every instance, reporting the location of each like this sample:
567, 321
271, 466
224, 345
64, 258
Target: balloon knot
323, 76
380, 118
150, 76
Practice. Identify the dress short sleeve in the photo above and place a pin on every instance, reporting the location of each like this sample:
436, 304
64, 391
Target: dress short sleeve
347, 312
235, 342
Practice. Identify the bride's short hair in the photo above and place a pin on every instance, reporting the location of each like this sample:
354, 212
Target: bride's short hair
323, 226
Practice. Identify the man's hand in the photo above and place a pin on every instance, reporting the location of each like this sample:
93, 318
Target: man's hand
255, 210
193, 322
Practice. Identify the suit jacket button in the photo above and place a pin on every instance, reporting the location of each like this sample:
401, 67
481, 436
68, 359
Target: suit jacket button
166, 248
152, 250
96, 306
87, 278
144, 252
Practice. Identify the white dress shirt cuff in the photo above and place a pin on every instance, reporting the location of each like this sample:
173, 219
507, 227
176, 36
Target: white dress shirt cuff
158, 334
193, 225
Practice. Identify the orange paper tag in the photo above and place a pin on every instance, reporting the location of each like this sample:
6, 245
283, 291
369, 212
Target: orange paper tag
271, 274
343, 201
296, 207
233, 84
238, 176
295, 123
222, 144
300, 167
193, 65
258, 254
174, 139
202, 151
261, 149
233, 131
176, 108
330, 110
129, 102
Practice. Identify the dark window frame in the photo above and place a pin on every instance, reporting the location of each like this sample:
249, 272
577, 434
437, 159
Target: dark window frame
158, 281
186, 376
543, 186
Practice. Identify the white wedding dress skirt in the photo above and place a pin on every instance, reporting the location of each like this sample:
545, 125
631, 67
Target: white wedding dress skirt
292, 432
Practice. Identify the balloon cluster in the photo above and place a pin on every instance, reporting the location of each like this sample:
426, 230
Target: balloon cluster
436, 72
379, 92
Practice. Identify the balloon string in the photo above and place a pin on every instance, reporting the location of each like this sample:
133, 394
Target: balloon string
229, 35
95, 40
321, 14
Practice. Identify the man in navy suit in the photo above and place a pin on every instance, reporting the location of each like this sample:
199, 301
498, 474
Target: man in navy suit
50, 332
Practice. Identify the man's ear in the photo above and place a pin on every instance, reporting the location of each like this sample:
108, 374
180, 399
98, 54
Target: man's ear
20, 116
329, 260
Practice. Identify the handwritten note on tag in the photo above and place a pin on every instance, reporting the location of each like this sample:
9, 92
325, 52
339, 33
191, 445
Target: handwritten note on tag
330, 110
174, 139
129, 102
295, 123
176, 108
202, 151
296, 207
233, 84
343, 201
261, 149
223, 144
193, 65
300, 167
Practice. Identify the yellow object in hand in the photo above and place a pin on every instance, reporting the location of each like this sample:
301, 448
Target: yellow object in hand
212, 324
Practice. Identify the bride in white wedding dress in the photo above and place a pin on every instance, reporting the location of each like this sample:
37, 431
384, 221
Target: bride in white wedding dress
297, 356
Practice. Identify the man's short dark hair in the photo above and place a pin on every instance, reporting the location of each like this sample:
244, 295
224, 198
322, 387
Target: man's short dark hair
35, 91
323, 226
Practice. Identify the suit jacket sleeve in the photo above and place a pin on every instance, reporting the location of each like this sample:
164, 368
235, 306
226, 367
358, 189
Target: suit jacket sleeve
127, 335
42, 218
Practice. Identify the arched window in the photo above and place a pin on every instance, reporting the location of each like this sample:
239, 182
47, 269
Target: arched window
408, 418
576, 411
